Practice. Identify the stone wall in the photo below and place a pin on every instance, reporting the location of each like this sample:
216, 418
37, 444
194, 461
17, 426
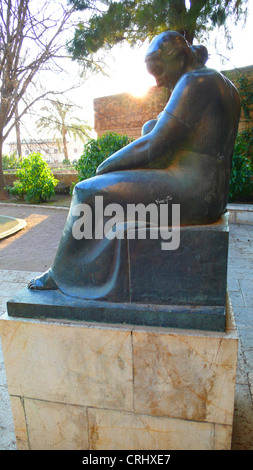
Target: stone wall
63, 187
126, 114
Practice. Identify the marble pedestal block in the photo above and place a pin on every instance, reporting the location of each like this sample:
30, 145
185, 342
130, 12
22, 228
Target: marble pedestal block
79, 386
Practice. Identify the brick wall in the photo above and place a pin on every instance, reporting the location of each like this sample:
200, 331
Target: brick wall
126, 114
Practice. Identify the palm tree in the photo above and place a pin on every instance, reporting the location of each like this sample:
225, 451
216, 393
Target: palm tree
59, 122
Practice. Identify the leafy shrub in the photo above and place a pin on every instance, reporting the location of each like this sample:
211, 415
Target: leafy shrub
97, 150
36, 181
241, 180
66, 161
245, 88
10, 162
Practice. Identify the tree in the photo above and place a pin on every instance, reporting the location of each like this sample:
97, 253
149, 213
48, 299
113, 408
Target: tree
31, 39
59, 121
136, 20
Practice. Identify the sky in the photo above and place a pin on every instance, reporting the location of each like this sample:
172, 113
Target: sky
127, 71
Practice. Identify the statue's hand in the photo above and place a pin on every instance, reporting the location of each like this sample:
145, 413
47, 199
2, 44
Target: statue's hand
102, 168
113, 163
135, 155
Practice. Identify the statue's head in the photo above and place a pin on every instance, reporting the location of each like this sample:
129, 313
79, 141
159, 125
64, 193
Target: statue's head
169, 56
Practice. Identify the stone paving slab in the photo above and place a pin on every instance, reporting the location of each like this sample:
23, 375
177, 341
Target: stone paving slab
240, 281
20, 260
33, 248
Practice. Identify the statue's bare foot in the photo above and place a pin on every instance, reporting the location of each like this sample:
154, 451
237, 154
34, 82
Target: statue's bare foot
44, 282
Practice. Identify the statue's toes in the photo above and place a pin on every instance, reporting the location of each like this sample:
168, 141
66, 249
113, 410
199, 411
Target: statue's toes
32, 284
43, 282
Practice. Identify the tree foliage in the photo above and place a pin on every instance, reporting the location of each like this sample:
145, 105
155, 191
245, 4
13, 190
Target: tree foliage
110, 22
59, 122
31, 39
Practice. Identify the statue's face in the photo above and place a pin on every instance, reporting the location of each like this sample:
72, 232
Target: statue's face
166, 72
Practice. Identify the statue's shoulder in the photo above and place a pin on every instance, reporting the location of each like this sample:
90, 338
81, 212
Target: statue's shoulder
207, 83
198, 80
204, 78
201, 75
207, 75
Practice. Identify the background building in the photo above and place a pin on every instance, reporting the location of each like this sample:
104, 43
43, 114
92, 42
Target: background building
51, 150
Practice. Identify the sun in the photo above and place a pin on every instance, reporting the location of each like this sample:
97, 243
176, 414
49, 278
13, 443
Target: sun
137, 83
139, 88
131, 75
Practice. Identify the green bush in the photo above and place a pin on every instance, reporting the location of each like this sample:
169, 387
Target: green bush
241, 179
10, 162
66, 161
36, 181
97, 150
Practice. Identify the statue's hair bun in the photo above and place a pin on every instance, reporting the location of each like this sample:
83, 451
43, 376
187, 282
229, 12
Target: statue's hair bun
200, 53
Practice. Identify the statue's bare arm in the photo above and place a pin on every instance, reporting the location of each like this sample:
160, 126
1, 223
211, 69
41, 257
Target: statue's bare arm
141, 152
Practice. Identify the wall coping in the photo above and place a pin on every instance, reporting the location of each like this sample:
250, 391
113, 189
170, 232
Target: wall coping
240, 207
240, 213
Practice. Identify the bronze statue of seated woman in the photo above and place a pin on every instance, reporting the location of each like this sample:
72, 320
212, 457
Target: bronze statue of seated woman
183, 157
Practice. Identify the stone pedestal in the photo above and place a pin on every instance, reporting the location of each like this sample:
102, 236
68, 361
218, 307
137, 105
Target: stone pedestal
77, 385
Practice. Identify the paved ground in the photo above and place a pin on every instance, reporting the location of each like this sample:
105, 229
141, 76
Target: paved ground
33, 250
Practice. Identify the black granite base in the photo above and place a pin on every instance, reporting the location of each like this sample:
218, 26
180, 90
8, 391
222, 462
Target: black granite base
55, 305
193, 274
